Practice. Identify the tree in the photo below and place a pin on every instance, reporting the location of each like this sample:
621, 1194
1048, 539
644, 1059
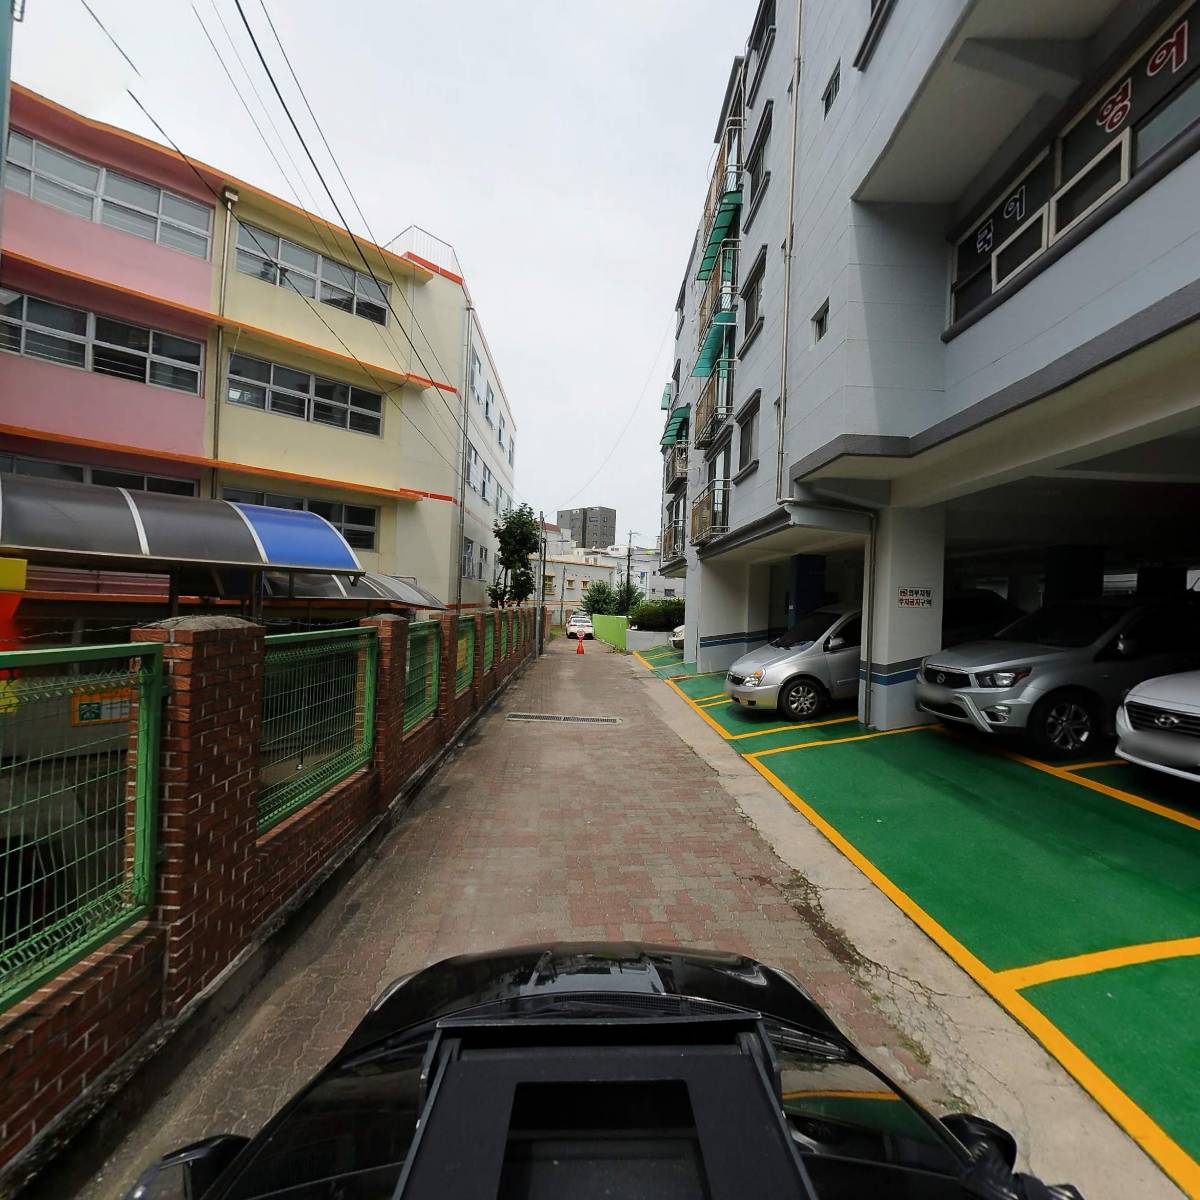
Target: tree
600, 598
520, 538
627, 596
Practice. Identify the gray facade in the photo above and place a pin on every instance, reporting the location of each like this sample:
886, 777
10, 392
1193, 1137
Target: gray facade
980, 350
590, 527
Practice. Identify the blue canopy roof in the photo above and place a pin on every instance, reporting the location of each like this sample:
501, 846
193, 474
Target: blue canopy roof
85, 524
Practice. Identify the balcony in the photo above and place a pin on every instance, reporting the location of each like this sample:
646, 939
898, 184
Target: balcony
675, 468
718, 310
710, 512
724, 197
715, 403
672, 542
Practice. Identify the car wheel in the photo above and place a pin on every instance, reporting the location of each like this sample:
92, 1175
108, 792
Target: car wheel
802, 700
1065, 724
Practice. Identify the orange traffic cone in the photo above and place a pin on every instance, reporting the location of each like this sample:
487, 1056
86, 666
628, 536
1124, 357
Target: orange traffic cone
579, 644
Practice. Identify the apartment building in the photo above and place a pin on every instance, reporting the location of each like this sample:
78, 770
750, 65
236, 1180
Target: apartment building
171, 328
937, 330
591, 526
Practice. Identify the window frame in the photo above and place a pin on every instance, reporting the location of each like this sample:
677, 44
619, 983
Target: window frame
820, 321
87, 470
832, 88
88, 342
747, 440
310, 397
324, 275
97, 197
235, 495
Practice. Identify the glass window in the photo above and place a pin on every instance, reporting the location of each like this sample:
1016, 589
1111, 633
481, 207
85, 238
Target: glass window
258, 241
298, 256
131, 191
337, 297
747, 440
298, 394
168, 375
118, 333
17, 179
261, 268
49, 470
56, 316
125, 479
182, 349
68, 199
183, 239
287, 377
20, 149
250, 368
65, 166
334, 272
127, 220
186, 212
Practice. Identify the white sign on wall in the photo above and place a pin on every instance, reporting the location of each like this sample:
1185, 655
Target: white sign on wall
913, 597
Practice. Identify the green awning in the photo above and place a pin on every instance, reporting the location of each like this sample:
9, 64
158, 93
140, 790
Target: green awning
676, 430
666, 396
714, 345
723, 220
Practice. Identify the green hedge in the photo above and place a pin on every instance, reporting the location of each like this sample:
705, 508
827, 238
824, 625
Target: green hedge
657, 616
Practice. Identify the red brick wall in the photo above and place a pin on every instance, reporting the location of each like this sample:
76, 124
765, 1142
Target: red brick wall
218, 882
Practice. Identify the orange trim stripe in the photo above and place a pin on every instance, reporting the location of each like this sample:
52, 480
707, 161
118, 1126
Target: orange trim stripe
230, 323
413, 263
220, 464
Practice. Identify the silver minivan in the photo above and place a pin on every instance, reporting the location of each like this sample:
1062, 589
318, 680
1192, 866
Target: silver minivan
802, 670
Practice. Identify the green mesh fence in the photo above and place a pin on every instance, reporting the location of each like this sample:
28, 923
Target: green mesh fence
318, 716
504, 623
489, 642
465, 670
421, 679
78, 777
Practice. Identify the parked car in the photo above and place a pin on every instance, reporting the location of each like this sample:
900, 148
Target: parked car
592, 1070
816, 661
677, 637
579, 625
1158, 725
1057, 674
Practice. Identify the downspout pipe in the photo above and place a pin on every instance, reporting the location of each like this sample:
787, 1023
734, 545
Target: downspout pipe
230, 197
782, 495
469, 315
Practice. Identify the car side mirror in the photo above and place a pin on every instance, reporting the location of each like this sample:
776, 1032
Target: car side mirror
983, 1138
1127, 647
835, 643
188, 1173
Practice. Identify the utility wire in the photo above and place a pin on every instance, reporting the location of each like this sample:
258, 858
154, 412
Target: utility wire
104, 30
262, 249
318, 232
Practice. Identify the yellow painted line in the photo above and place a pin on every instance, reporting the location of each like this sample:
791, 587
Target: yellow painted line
842, 1094
1163, 1149
858, 737
714, 696
1102, 762
737, 737
715, 703
1141, 802
1099, 960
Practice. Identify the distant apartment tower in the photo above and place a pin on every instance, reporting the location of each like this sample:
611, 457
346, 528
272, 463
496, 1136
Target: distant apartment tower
590, 526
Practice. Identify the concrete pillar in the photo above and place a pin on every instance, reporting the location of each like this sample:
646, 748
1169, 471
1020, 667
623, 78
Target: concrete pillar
904, 611
808, 584
1074, 573
722, 629
1025, 591
1153, 583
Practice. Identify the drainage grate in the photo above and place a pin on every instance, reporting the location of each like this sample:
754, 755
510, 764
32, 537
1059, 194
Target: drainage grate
564, 718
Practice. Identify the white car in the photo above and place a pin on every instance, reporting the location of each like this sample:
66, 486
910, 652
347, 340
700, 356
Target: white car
677, 638
1158, 725
579, 625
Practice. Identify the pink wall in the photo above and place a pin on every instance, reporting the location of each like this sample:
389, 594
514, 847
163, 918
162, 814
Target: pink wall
64, 400
46, 234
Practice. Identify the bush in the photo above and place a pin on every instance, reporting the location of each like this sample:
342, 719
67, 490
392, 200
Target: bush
657, 616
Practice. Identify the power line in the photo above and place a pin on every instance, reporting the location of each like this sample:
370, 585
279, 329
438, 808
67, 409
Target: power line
363, 366
104, 30
317, 230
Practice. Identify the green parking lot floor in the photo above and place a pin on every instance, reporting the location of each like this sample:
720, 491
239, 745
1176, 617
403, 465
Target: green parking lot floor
1178, 795
1137, 1024
1019, 865
700, 687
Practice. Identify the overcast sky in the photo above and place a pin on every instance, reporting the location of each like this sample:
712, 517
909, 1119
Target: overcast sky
562, 146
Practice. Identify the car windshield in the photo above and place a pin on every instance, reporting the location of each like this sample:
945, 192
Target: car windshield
806, 630
1063, 625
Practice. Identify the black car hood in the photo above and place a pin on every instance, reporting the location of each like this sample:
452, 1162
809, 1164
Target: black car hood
560, 968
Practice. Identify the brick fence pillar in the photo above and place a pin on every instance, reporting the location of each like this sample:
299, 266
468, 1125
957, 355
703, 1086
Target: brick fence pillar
389, 703
208, 807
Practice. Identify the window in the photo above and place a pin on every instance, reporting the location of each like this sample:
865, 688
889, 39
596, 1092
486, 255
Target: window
135, 481
489, 404
500, 430
570, 584
820, 322
511, 451
476, 377
73, 337
668, 593
762, 38
752, 296
485, 482
829, 95
468, 558
275, 388
357, 523
757, 175
107, 197
276, 260
748, 439
483, 562
472, 467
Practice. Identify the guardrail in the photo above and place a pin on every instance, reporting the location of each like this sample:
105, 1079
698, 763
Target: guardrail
79, 729
675, 467
318, 721
715, 404
672, 542
710, 511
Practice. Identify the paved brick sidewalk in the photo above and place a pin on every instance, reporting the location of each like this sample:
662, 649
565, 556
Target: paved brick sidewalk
532, 832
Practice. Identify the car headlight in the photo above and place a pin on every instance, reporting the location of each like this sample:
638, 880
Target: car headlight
1003, 679
754, 678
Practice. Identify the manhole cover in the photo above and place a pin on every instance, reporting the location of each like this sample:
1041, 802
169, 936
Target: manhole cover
564, 718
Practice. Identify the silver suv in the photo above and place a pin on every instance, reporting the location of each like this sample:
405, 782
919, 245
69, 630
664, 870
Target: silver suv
1058, 673
802, 670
